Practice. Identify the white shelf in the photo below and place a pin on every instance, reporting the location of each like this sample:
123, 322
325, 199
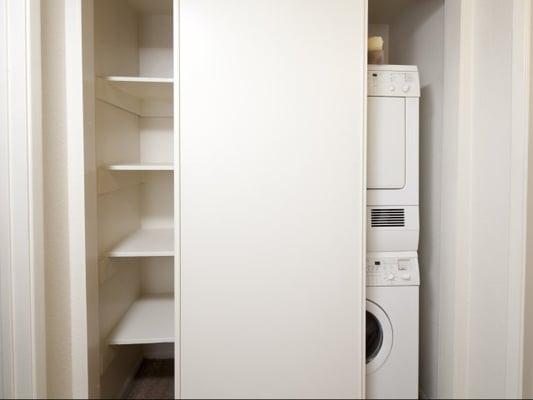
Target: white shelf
144, 96
141, 167
152, 6
146, 243
142, 87
149, 320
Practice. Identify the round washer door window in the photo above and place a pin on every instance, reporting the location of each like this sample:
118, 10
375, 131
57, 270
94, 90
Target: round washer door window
378, 337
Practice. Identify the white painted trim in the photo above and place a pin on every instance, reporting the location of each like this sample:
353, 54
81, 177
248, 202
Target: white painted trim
364, 205
464, 175
518, 196
79, 345
456, 224
6, 331
127, 383
21, 208
177, 202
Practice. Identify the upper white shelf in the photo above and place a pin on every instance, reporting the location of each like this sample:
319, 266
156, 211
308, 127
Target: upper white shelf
150, 319
142, 87
146, 243
144, 96
141, 167
152, 6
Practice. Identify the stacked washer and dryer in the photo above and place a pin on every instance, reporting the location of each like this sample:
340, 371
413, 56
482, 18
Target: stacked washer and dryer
393, 277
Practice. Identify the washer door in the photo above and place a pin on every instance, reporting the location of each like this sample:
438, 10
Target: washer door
378, 337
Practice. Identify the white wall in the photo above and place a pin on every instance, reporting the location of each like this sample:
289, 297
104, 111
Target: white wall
417, 37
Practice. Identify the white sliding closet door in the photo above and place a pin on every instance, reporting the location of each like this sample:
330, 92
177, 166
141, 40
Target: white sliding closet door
272, 198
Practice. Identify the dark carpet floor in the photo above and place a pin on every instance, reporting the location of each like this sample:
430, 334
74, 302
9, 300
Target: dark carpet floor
154, 380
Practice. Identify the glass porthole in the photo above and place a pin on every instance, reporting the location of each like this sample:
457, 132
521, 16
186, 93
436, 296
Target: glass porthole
379, 337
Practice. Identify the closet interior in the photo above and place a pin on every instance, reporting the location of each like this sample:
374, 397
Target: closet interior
414, 34
134, 128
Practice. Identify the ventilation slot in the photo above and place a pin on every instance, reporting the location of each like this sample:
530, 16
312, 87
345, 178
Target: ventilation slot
388, 217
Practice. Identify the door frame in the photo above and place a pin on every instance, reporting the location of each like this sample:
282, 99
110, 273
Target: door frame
22, 302
457, 263
521, 98
456, 218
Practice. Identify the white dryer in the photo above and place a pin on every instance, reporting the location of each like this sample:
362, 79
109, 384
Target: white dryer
392, 326
392, 176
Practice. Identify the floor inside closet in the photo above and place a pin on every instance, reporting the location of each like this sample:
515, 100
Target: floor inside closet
153, 380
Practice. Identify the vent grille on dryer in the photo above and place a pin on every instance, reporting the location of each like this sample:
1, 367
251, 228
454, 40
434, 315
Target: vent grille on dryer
388, 217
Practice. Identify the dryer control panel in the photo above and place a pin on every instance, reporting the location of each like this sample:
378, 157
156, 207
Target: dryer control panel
393, 82
392, 270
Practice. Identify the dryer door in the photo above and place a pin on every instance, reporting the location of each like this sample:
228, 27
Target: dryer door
378, 337
386, 143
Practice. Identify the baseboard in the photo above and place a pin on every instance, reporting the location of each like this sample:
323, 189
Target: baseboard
127, 383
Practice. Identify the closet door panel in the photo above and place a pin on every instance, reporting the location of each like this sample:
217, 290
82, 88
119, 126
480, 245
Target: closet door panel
272, 191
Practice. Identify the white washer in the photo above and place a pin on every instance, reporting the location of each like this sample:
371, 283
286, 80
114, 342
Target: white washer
392, 326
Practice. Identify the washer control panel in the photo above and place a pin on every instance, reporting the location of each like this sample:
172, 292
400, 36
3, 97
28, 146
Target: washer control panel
393, 84
382, 270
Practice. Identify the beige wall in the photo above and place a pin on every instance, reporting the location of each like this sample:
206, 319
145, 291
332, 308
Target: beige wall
55, 200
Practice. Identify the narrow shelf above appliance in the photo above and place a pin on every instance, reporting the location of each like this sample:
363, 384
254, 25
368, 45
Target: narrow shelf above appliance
146, 243
150, 319
141, 167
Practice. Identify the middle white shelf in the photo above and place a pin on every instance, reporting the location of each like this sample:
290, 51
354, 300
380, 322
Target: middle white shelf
161, 166
142, 87
144, 96
146, 243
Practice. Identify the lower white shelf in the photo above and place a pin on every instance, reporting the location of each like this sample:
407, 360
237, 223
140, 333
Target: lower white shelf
149, 320
146, 243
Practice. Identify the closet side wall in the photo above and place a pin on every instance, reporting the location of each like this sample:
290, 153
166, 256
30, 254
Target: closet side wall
528, 306
417, 37
59, 371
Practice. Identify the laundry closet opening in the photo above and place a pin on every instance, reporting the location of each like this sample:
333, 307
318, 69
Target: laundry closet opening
404, 216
